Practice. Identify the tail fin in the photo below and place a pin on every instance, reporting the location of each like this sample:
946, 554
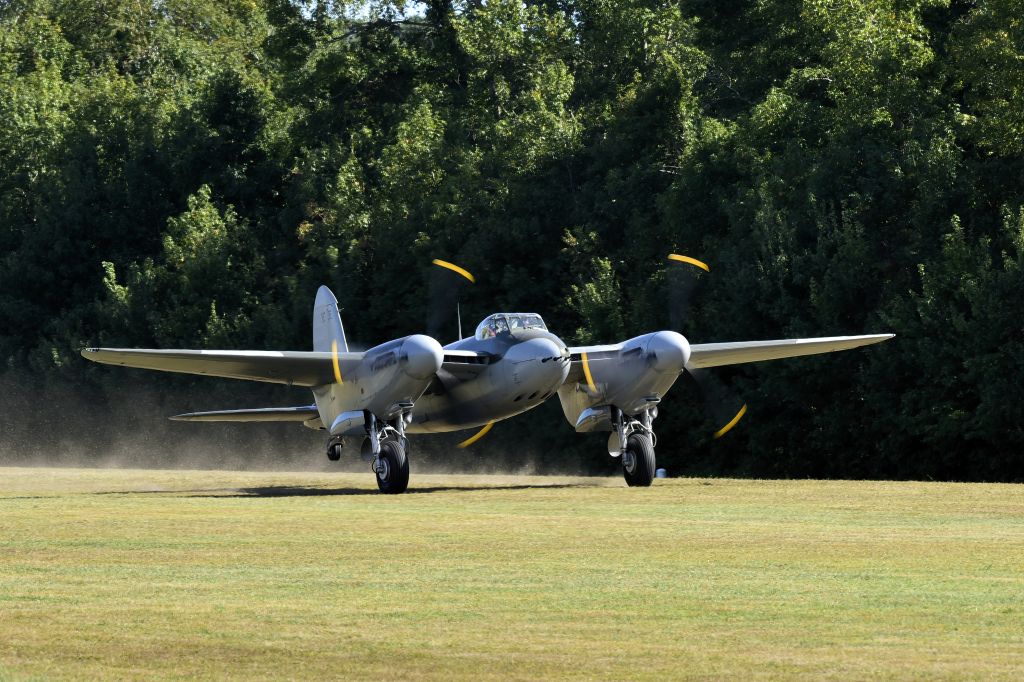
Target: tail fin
327, 329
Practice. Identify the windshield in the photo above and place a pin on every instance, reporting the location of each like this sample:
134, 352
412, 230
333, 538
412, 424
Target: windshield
525, 321
503, 322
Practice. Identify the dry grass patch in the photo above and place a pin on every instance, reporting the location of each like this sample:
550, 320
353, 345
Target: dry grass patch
165, 574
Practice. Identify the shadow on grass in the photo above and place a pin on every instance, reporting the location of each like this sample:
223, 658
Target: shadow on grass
298, 491
301, 491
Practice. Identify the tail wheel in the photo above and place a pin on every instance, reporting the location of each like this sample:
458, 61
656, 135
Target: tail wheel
392, 468
638, 461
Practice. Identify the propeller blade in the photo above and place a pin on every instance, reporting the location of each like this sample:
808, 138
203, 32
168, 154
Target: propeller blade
692, 261
682, 282
722, 404
334, 361
476, 436
732, 422
455, 268
724, 407
586, 372
446, 282
601, 366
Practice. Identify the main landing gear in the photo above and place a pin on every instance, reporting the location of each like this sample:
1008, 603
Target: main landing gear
633, 440
392, 467
385, 447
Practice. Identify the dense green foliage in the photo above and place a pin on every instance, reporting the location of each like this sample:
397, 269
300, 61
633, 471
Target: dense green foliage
186, 173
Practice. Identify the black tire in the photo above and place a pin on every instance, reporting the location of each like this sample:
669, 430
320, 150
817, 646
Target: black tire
334, 452
392, 460
638, 461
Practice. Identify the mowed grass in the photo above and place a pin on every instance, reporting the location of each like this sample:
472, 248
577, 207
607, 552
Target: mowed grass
213, 574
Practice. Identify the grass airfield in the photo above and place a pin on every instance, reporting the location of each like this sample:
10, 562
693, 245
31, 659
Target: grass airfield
214, 574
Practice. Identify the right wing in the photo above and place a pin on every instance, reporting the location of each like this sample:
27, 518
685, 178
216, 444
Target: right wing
739, 352
295, 368
735, 353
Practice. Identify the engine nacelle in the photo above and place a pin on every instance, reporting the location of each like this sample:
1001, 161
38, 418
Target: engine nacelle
634, 377
387, 382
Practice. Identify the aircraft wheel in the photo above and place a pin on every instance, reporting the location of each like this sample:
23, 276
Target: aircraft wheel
638, 461
334, 452
392, 468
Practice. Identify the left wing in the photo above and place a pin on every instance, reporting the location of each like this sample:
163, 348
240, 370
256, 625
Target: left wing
259, 414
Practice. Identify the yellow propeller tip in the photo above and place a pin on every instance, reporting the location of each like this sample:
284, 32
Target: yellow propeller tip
455, 268
732, 422
692, 261
586, 372
334, 361
476, 436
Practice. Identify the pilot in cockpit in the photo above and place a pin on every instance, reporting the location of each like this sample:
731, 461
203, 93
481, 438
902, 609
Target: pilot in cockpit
494, 326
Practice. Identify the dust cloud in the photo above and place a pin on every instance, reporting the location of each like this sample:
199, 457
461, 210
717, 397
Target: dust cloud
122, 422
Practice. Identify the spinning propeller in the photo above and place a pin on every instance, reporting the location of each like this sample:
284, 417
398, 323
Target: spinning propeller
722, 403
446, 281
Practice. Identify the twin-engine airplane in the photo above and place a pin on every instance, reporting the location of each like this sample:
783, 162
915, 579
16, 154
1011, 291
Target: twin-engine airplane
373, 399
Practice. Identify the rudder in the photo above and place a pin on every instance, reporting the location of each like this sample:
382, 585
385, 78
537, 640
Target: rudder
327, 327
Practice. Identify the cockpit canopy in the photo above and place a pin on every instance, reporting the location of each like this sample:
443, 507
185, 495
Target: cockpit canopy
499, 323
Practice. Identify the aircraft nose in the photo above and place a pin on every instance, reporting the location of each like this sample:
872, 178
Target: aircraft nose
668, 352
536, 364
421, 356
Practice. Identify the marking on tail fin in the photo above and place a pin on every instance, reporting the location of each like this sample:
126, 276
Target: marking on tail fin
327, 327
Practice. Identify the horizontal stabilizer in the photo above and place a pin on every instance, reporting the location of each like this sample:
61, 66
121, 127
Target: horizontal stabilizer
739, 352
297, 368
259, 414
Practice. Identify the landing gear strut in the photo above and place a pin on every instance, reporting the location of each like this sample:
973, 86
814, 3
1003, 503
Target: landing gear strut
385, 448
389, 446
638, 461
392, 467
633, 440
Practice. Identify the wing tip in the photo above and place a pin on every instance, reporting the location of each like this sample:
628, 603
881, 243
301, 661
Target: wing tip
93, 355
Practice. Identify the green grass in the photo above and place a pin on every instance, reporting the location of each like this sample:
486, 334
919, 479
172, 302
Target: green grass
181, 574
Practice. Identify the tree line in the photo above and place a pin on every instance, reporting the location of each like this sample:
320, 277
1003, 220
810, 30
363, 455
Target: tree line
185, 173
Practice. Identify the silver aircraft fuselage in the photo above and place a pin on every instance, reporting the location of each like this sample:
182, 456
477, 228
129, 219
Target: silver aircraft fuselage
497, 378
523, 368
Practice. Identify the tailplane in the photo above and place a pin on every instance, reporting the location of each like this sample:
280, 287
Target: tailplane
328, 332
304, 413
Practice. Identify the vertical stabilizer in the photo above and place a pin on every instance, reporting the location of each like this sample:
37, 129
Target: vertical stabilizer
327, 323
